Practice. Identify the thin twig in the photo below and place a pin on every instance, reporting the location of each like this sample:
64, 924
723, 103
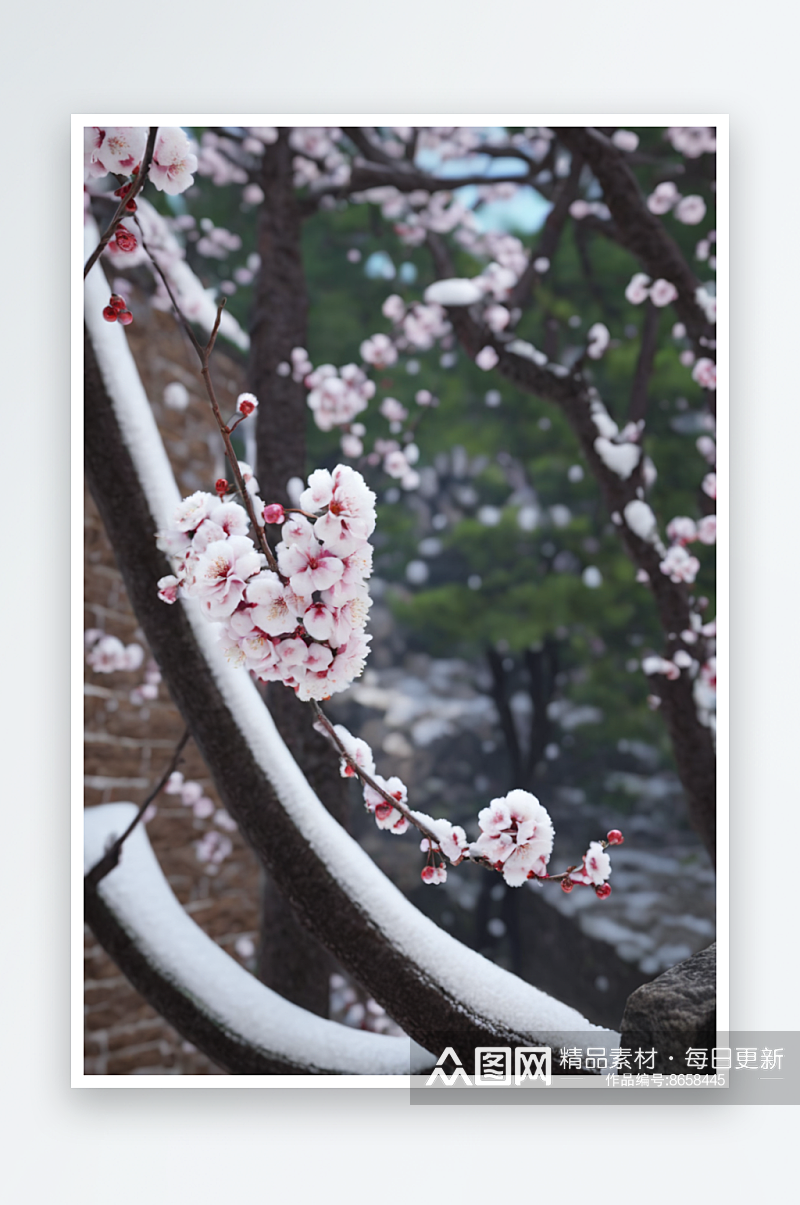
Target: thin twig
137, 184
204, 355
110, 858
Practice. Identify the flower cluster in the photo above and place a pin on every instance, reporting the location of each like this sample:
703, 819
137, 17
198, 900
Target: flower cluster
689, 210
119, 149
214, 846
516, 837
304, 624
108, 655
661, 292
337, 396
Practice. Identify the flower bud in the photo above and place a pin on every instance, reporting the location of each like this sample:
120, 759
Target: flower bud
221, 487
567, 885
603, 891
274, 513
615, 837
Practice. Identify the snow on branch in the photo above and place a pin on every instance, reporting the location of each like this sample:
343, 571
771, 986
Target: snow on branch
183, 957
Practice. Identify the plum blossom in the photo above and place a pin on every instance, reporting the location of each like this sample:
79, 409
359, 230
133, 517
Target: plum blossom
663, 292
626, 140
221, 572
596, 866
707, 529
690, 210
664, 196
705, 373
350, 518
379, 351
302, 625
516, 837
679, 565
637, 289
682, 530
486, 358
337, 396
173, 161
358, 750
116, 149
599, 338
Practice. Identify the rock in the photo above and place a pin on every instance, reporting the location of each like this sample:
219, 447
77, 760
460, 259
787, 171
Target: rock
677, 1010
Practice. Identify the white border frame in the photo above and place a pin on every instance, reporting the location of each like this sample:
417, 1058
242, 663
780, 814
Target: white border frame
78, 121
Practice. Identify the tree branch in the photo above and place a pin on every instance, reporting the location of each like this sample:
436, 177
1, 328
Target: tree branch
637, 408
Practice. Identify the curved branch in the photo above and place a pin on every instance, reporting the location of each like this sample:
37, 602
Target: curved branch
637, 228
440, 992
241, 1025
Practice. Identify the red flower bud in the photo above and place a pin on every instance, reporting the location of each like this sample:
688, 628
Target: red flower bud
125, 317
221, 486
125, 240
603, 891
110, 314
615, 837
567, 885
274, 513
131, 206
117, 302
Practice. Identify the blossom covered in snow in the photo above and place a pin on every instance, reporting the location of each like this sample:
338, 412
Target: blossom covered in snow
516, 837
304, 624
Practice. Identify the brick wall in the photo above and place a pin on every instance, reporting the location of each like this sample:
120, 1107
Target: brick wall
127, 747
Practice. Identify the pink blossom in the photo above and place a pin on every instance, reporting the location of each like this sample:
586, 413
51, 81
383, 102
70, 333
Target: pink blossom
682, 530
516, 836
113, 149
690, 210
626, 140
707, 529
351, 445
637, 290
393, 410
679, 565
599, 337
350, 519
168, 588
663, 197
358, 750
277, 607
230, 517
395, 464
379, 351
663, 292
221, 573
486, 358
393, 308
173, 162
191, 512
705, 373
709, 485
309, 568
274, 513
596, 866
496, 317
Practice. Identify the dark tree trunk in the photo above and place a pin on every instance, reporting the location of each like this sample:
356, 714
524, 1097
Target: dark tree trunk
290, 960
